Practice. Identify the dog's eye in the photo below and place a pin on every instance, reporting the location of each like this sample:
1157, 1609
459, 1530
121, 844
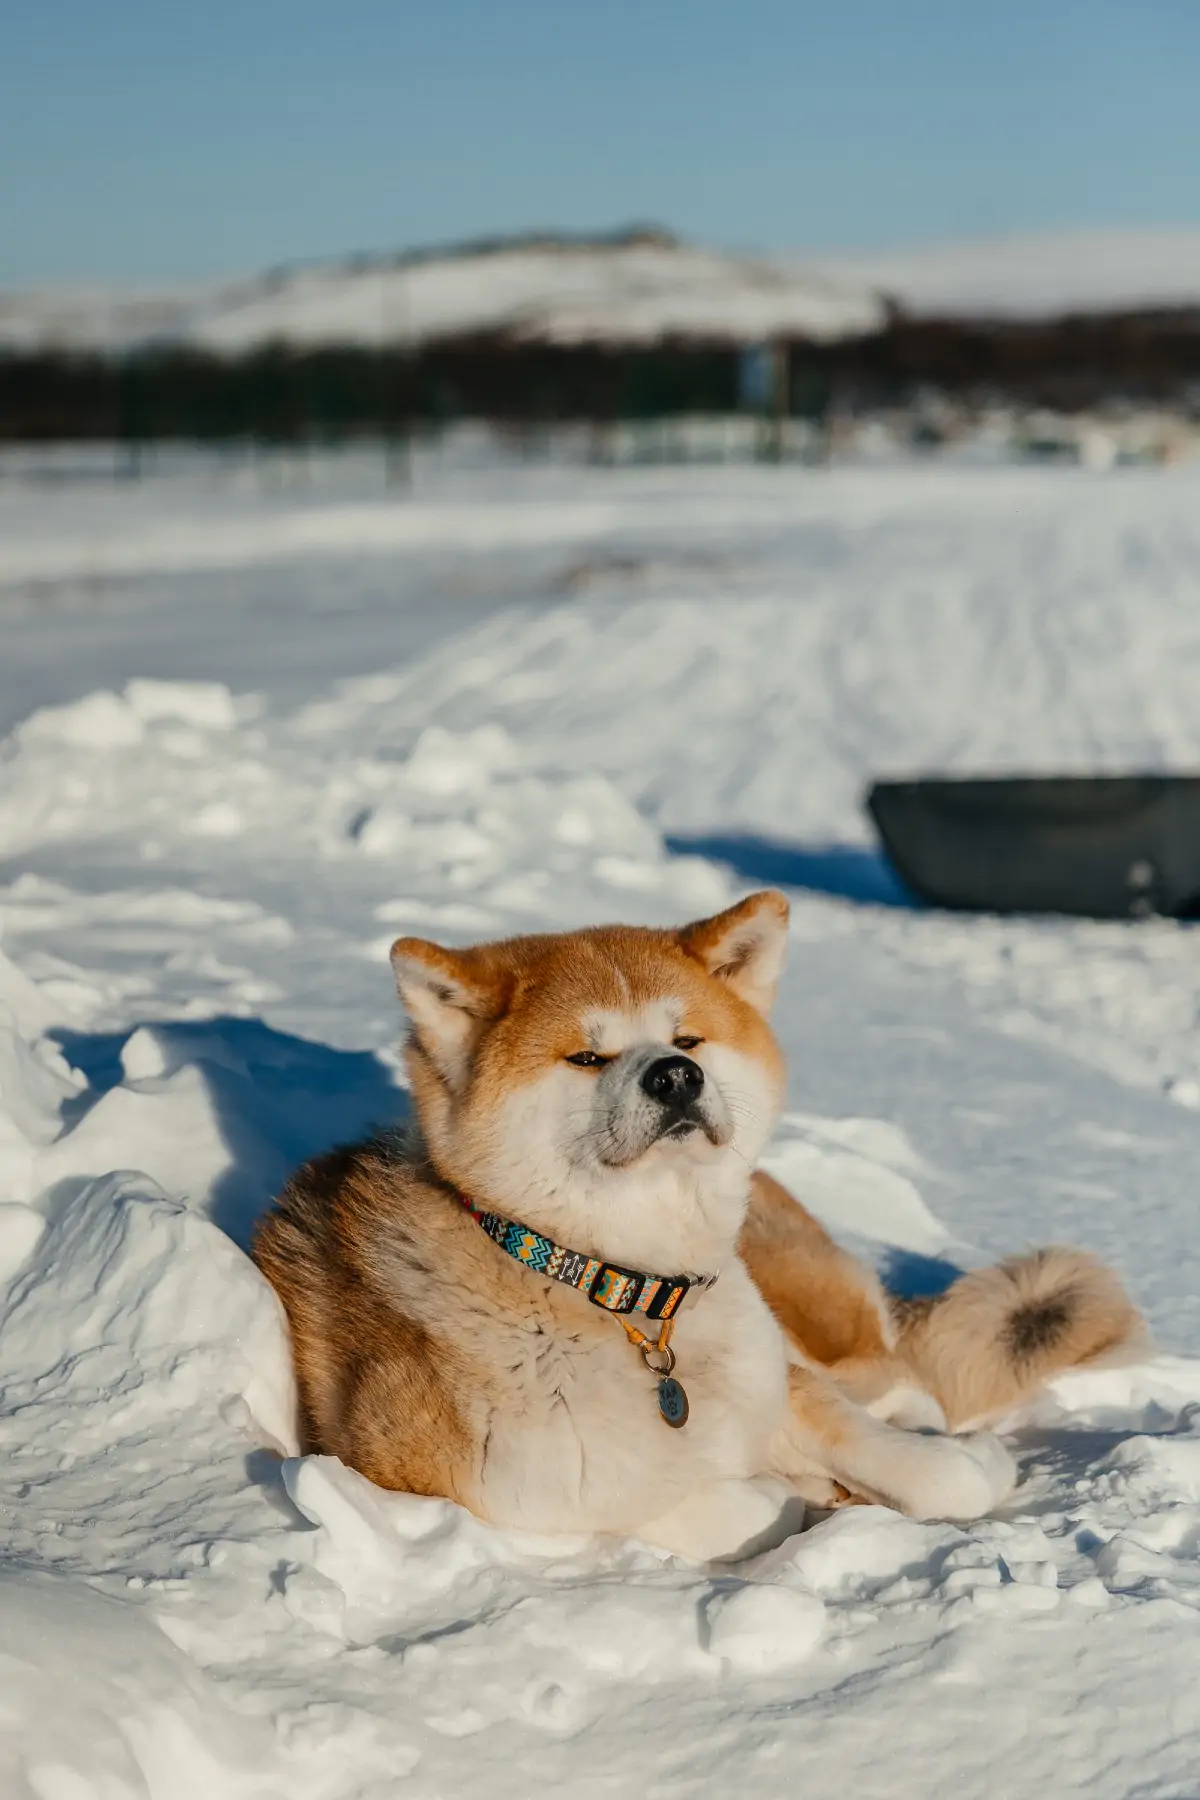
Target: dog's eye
687, 1043
587, 1059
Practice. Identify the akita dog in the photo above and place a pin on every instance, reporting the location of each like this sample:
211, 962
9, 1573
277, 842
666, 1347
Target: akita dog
516, 1304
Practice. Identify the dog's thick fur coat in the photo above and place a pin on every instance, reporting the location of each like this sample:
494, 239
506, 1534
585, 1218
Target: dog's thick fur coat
432, 1362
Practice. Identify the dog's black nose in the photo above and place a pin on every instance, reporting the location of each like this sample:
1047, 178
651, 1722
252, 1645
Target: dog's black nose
674, 1081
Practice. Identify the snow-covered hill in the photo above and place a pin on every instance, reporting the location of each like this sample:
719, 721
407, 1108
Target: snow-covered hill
1036, 274
626, 291
621, 292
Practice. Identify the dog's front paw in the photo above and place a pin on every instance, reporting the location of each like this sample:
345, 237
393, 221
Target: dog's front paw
981, 1476
933, 1477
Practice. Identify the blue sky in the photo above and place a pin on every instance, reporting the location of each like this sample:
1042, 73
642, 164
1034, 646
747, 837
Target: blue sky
154, 142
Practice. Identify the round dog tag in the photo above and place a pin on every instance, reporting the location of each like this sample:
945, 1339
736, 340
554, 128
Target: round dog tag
672, 1402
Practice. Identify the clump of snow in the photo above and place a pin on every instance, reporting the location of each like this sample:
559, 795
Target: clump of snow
98, 722
855, 1175
107, 721
763, 1628
463, 812
208, 705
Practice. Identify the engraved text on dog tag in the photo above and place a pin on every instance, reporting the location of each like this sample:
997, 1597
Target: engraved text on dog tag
672, 1402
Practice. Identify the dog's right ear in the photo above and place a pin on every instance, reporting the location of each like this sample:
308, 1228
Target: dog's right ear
450, 997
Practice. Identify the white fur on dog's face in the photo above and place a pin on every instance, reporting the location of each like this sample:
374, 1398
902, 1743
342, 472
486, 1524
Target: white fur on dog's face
586, 1155
623, 1122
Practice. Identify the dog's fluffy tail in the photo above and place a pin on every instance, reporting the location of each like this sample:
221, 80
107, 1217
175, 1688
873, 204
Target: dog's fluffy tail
997, 1335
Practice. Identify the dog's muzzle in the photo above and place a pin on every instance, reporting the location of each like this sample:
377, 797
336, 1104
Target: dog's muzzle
675, 1084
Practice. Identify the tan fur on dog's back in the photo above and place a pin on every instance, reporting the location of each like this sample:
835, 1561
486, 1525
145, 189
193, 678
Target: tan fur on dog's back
831, 1308
361, 1365
997, 1335
827, 1301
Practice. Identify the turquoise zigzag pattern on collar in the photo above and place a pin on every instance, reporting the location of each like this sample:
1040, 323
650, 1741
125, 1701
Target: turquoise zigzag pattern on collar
605, 1284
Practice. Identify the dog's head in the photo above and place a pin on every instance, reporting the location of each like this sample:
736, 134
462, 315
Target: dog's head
611, 1088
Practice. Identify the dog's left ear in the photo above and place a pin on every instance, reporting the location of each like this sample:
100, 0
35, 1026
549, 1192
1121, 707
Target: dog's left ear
744, 946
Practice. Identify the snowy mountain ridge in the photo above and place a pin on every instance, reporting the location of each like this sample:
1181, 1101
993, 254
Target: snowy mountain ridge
637, 289
633, 288
1034, 275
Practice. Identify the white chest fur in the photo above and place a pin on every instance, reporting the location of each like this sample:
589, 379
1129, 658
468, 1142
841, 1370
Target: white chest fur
573, 1438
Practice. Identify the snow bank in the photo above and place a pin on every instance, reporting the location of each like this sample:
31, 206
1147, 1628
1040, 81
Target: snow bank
465, 813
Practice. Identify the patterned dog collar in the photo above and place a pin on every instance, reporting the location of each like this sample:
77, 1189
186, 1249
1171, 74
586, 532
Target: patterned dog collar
605, 1284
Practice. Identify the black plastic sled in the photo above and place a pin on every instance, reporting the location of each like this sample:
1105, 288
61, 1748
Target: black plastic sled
1097, 846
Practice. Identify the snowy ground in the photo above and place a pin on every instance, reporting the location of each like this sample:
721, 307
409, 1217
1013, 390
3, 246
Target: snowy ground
254, 734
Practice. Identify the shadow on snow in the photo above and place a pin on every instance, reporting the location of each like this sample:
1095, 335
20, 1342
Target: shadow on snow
277, 1099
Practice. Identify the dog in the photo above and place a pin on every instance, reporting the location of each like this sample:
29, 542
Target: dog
515, 1304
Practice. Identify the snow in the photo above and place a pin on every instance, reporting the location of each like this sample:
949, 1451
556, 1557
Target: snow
632, 293
246, 746
1035, 274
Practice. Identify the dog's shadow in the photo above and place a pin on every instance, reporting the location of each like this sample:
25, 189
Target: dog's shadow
908, 1275
1071, 1458
276, 1099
